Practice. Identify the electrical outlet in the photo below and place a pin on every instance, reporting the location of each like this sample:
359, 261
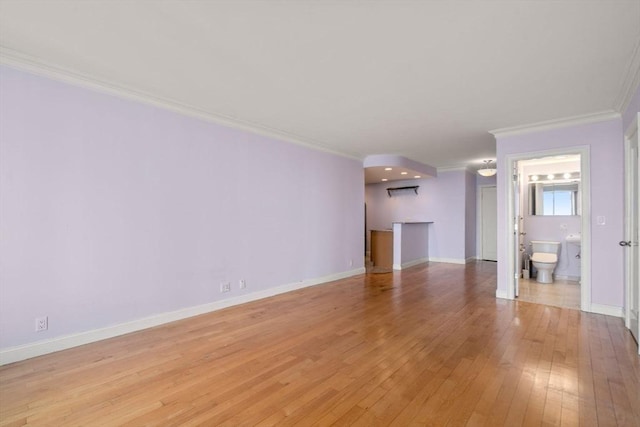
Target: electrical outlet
243, 284
225, 287
42, 324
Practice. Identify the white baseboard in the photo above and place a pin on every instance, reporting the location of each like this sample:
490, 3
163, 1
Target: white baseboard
501, 294
410, 263
27, 351
608, 310
448, 260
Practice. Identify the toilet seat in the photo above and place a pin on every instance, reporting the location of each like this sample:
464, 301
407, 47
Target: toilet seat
545, 258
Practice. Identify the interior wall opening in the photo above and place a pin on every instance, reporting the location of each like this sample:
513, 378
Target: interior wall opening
548, 196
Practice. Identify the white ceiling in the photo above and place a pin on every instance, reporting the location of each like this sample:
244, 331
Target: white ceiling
423, 79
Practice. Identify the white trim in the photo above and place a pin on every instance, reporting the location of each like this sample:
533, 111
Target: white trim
632, 128
630, 82
410, 263
507, 177
607, 310
630, 136
585, 228
15, 354
501, 294
585, 259
556, 124
627, 226
36, 66
448, 260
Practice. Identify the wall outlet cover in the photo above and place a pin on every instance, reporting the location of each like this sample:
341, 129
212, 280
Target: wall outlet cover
42, 324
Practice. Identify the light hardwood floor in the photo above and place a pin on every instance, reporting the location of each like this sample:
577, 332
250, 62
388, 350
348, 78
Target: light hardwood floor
430, 345
560, 293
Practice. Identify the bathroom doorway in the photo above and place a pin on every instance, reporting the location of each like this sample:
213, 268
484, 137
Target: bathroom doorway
548, 198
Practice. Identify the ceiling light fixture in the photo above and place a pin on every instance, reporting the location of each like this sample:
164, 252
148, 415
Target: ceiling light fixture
388, 169
487, 170
403, 173
417, 176
559, 177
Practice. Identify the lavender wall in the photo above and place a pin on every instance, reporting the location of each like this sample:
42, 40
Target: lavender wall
604, 140
485, 180
410, 243
113, 211
442, 200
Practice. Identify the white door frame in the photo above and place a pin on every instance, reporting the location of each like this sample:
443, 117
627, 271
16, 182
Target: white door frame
480, 236
631, 132
585, 185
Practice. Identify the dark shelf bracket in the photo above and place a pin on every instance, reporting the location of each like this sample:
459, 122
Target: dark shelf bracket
413, 187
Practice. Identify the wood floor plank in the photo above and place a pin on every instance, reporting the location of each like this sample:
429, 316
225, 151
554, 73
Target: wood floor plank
429, 345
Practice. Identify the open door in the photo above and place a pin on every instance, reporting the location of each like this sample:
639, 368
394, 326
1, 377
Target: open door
630, 242
517, 223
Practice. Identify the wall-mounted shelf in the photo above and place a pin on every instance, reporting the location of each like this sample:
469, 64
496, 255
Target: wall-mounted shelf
392, 189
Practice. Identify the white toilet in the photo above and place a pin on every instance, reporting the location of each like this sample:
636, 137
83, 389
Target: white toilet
544, 258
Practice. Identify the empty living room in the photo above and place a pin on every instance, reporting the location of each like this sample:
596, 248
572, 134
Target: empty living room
359, 213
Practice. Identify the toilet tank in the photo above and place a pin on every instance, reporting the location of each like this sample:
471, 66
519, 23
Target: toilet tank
542, 246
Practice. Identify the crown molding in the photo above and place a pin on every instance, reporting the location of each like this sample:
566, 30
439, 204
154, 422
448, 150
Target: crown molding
556, 124
630, 83
24, 62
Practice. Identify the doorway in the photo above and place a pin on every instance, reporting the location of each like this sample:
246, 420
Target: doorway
488, 223
548, 201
